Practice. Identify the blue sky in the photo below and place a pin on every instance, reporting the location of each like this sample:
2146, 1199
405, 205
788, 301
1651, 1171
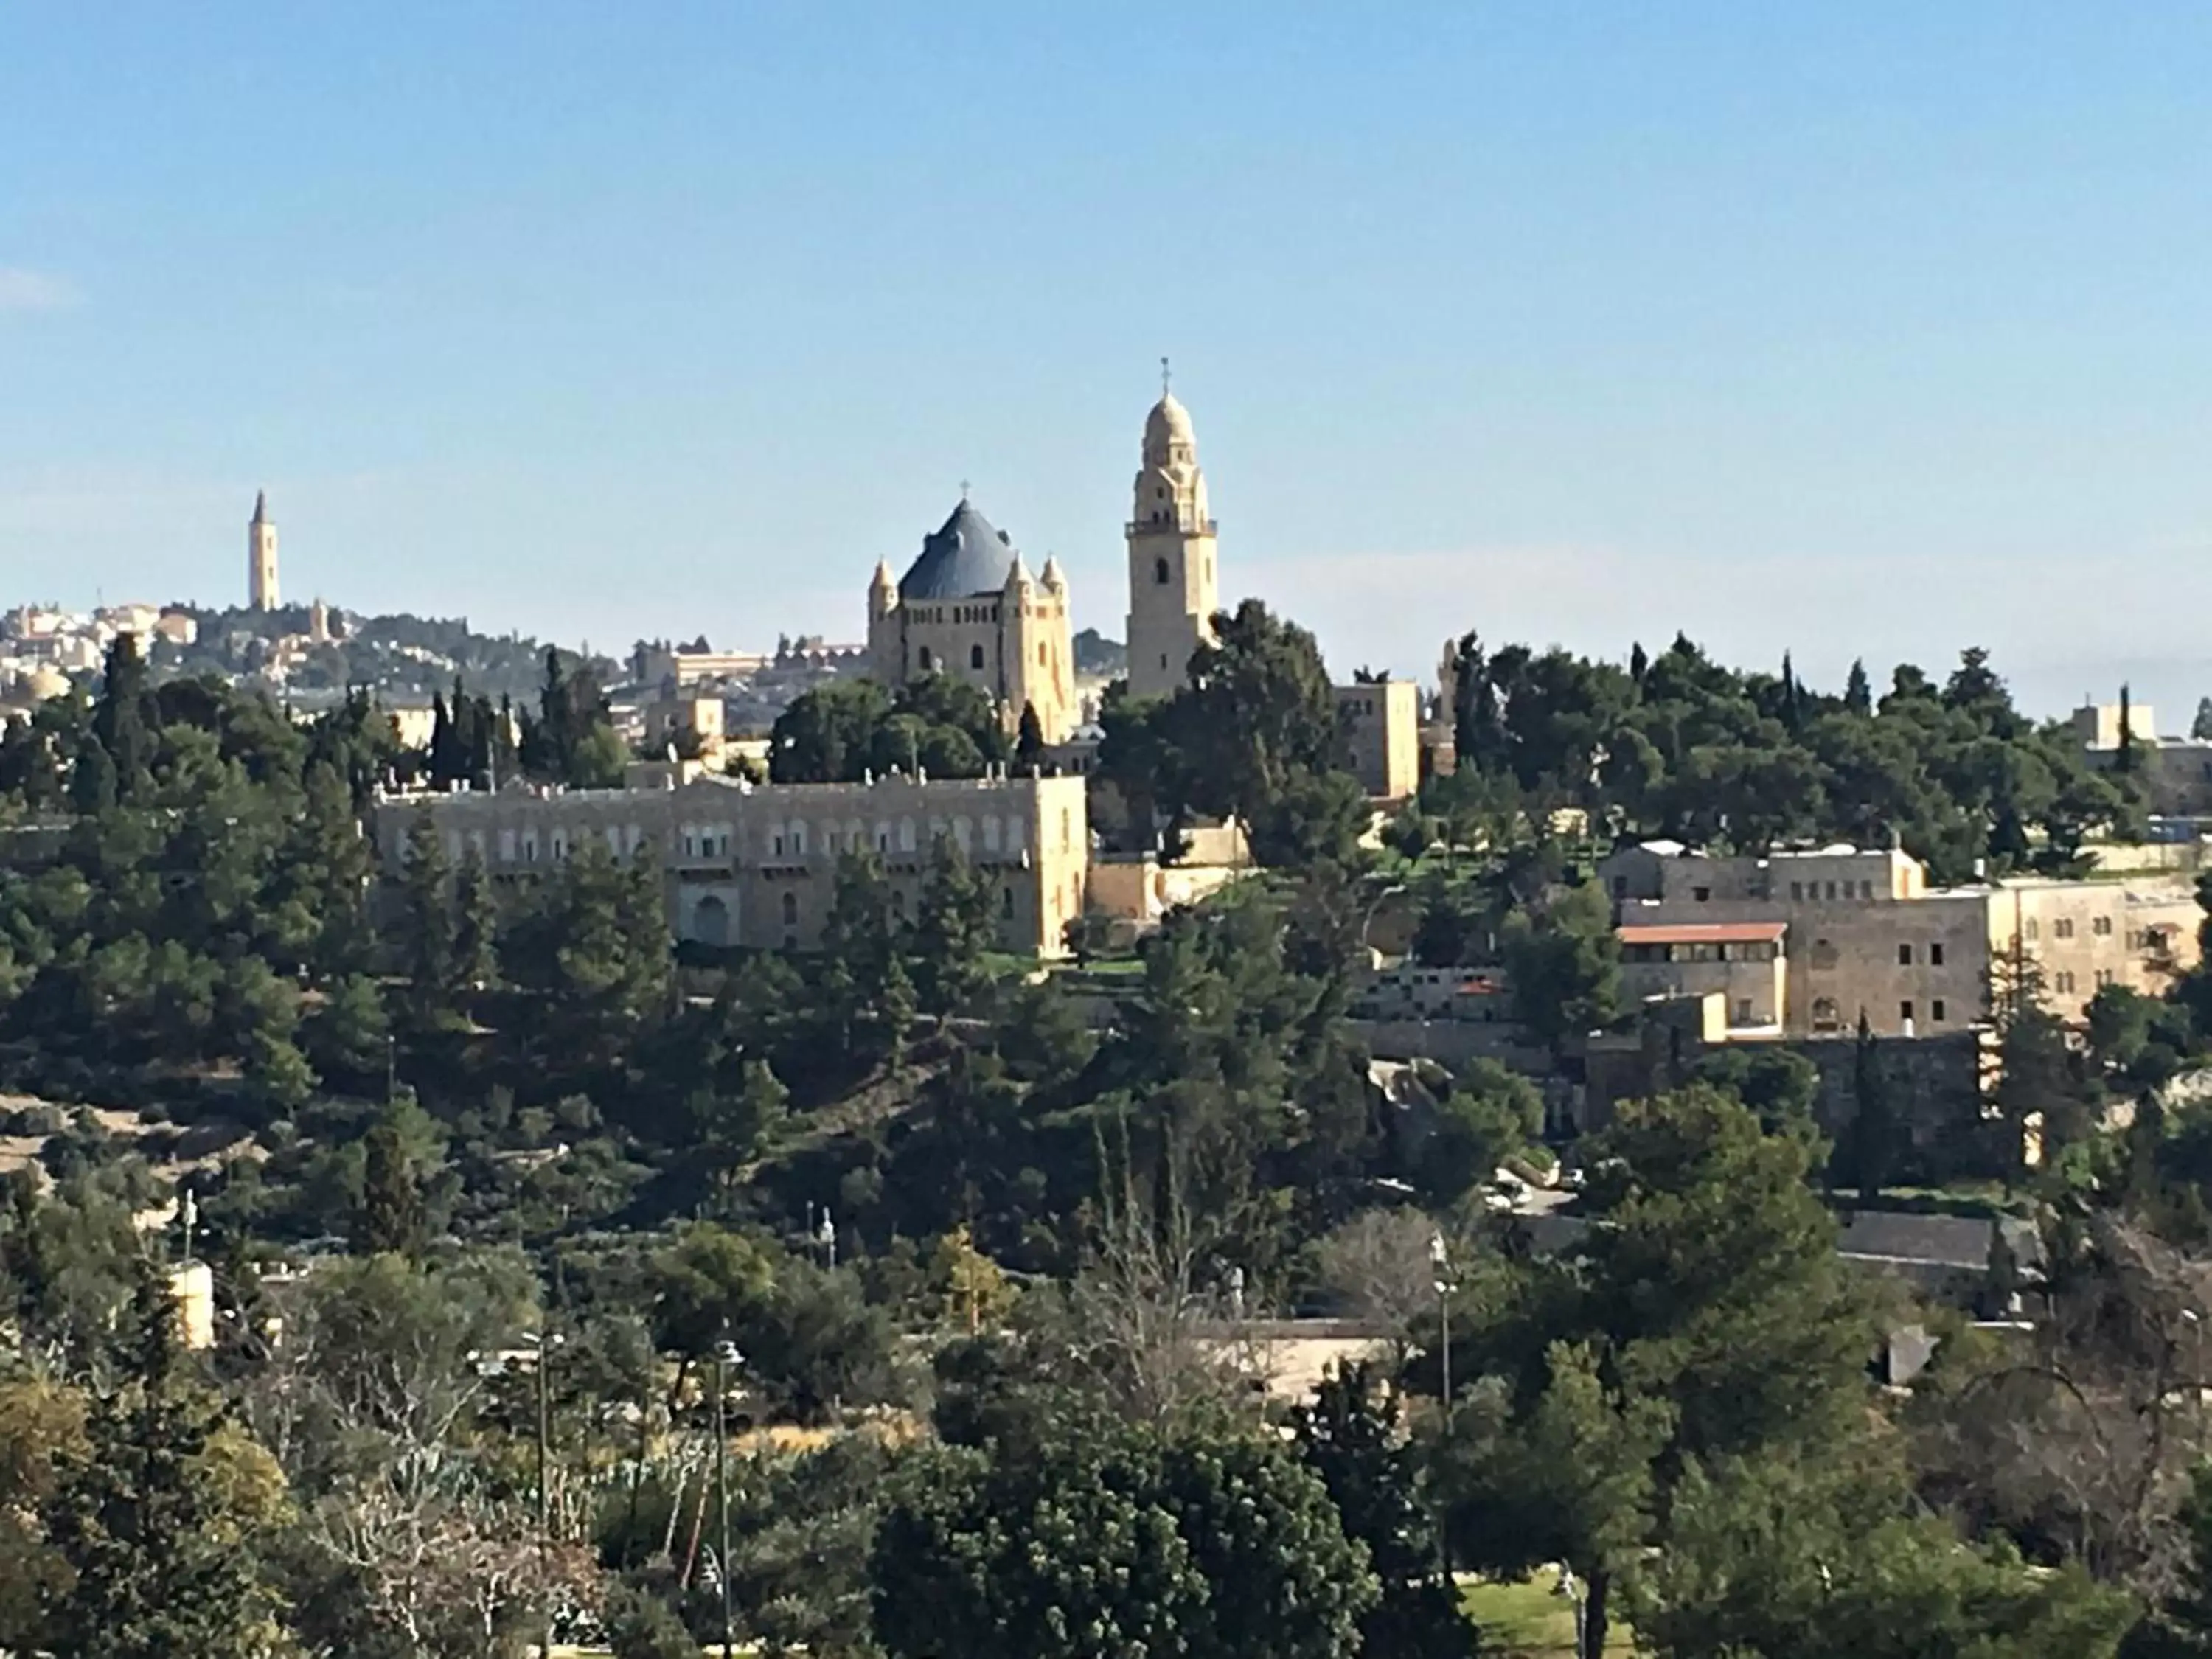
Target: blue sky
1870, 329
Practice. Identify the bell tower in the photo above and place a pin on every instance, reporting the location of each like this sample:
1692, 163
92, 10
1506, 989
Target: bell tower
261, 590
1173, 593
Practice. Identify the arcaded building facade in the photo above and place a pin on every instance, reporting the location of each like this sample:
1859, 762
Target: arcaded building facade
755, 866
969, 607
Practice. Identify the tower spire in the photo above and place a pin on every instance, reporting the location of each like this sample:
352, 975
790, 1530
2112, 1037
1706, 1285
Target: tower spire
1167, 376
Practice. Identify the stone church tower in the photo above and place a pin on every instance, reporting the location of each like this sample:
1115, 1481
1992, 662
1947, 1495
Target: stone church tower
1172, 587
261, 590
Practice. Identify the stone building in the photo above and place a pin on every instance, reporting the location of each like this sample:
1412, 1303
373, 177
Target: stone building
1174, 590
969, 607
262, 591
2175, 773
757, 865
1382, 729
1863, 933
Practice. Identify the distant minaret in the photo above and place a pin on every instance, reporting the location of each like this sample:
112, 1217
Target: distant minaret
1172, 589
261, 591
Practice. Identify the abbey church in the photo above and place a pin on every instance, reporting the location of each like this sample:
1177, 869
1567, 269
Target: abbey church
967, 605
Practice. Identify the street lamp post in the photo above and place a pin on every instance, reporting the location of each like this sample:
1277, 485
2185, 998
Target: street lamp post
1440, 1265
725, 1355
544, 1345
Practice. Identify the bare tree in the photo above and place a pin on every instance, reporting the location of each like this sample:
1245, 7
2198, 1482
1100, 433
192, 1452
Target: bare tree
2084, 1435
1376, 1269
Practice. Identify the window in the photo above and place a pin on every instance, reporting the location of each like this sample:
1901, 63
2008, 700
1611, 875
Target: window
2062, 981
1936, 1011
1067, 829
1041, 654
1014, 834
2104, 977
775, 842
1701, 894
976, 657
1935, 959
1831, 892
1866, 890
990, 834
1797, 891
2063, 928
2101, 926
927, 660
1905, 956
1007, 903
507, 846
1826, 1016
791, 909
906, 834
1160, 572
1743, 1010
799, 837
882, 837
2034, 928
1905, 1012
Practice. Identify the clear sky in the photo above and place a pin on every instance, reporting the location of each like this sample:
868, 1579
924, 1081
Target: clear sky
1874, 328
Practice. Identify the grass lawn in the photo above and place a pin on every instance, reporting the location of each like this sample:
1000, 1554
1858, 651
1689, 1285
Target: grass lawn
1531, 1620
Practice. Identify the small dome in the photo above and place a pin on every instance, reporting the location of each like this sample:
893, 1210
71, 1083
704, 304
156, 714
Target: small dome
1168, 424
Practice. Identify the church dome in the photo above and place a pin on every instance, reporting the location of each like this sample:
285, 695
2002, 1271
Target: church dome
1168, 424
966, 559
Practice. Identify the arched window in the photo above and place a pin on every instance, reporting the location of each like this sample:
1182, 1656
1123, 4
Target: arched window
927, 661
991, 833
906, 834
791, 909
1160, 572
964, 833
1825, 1015
975, 658
1042, 658
799, 837
1006, 902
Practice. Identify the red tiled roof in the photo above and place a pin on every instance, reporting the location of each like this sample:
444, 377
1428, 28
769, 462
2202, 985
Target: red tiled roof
1703, 933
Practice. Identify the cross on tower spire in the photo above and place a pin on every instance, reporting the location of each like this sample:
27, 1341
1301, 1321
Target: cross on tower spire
1166, 375
963, 490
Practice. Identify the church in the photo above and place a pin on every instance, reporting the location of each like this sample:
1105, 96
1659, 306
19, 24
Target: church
967, 605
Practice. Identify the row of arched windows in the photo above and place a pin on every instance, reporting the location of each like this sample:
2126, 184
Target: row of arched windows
797, 838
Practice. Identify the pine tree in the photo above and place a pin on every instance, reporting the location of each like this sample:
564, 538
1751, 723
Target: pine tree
1029, 746
121, 720
389, 1216
92, 788
2123, 759
476, 931
1639, 663
952, 931
1858, 694
1875, 1127
151, 1530
429, 951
